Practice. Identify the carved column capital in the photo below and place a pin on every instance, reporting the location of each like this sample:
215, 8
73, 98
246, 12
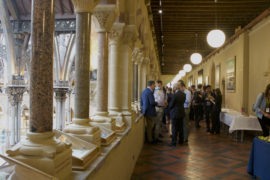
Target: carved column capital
104, 17
15, 94
82, 6
116, 32
61, 89
130, 35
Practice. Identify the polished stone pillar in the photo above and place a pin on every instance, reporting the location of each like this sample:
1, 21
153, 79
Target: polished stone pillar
15, 97
53, 156
81, 127
104, 16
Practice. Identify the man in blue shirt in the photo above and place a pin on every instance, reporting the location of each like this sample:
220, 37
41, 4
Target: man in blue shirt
148, 108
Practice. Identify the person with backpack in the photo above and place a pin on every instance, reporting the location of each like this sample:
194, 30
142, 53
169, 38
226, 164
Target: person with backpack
262, 109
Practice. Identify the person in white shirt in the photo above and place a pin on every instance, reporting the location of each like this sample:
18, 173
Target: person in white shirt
187, 105
161, 100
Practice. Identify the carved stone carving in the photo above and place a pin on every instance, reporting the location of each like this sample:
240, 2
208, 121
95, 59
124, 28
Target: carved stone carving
15, 94
116, 32
84, 5
130, 35
104, 17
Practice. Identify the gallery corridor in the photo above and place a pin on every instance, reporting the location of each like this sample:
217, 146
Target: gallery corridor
206, 157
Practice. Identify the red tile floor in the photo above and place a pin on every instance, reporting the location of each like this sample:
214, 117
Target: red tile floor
206, 157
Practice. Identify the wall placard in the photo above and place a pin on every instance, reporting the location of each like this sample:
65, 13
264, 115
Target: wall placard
217, 76
231, 75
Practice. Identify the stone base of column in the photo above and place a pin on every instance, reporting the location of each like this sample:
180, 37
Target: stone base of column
103, 119
81, 128
129, 117
134, 106
42, 151
120, 121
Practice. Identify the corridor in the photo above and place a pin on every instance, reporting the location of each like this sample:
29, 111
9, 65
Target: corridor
206, 157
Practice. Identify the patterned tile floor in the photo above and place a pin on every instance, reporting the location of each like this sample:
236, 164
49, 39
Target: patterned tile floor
206, 157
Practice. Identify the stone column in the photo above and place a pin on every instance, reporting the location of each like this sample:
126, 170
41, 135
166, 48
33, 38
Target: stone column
15, 96
140, 76
53, 156
115, 66
60, 90
136, 76
120, 71
81, 127
104, 16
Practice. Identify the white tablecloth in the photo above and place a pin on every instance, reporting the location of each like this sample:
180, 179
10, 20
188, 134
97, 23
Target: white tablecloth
237, 121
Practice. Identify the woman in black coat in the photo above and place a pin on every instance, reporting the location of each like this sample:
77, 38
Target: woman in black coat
216, 112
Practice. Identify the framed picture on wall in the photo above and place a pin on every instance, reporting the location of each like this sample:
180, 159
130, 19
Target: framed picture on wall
231, 75
217, 76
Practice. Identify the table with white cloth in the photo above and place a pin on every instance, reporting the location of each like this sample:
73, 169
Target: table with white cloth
238, 122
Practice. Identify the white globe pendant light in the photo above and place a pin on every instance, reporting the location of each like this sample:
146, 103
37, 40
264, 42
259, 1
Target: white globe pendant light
216, 38
182, 73
187, 67
196, 58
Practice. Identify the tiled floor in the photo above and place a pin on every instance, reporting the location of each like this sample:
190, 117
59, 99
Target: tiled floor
206, 157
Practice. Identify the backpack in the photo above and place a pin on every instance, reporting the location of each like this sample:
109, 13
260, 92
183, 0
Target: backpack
260, 102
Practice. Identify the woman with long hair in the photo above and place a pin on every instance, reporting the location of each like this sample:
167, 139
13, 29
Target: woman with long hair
262, 109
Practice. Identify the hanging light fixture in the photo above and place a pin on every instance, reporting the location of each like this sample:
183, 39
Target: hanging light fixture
187, 68
182, 73
196, 58
216, 37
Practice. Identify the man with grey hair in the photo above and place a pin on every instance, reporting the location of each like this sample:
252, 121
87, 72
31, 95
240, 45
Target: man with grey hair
177, 114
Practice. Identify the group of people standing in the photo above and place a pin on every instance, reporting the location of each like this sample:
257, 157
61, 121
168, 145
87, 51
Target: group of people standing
177, 106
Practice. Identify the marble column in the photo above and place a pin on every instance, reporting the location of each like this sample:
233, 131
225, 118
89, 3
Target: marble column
15, 96
60, 90
120, 72
140, 76
104, 17
41, 146
115, 91
80, 126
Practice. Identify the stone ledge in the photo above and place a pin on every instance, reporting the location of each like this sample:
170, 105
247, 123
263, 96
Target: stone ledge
117, 161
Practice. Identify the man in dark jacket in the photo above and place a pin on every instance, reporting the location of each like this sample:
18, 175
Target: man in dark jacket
177, 113
148, 108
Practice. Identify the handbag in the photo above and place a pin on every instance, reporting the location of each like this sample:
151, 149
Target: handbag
261, 99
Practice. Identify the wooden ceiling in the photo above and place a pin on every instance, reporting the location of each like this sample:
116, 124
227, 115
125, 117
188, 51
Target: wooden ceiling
183, 19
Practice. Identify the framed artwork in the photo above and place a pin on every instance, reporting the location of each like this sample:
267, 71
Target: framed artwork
217, 76
231, 75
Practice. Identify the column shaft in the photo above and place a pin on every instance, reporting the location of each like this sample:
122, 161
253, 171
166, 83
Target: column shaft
136, 81
102, 73
114, 74
41, 81
82, 65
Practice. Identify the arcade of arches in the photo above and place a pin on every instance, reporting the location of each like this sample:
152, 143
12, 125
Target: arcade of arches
72, 73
